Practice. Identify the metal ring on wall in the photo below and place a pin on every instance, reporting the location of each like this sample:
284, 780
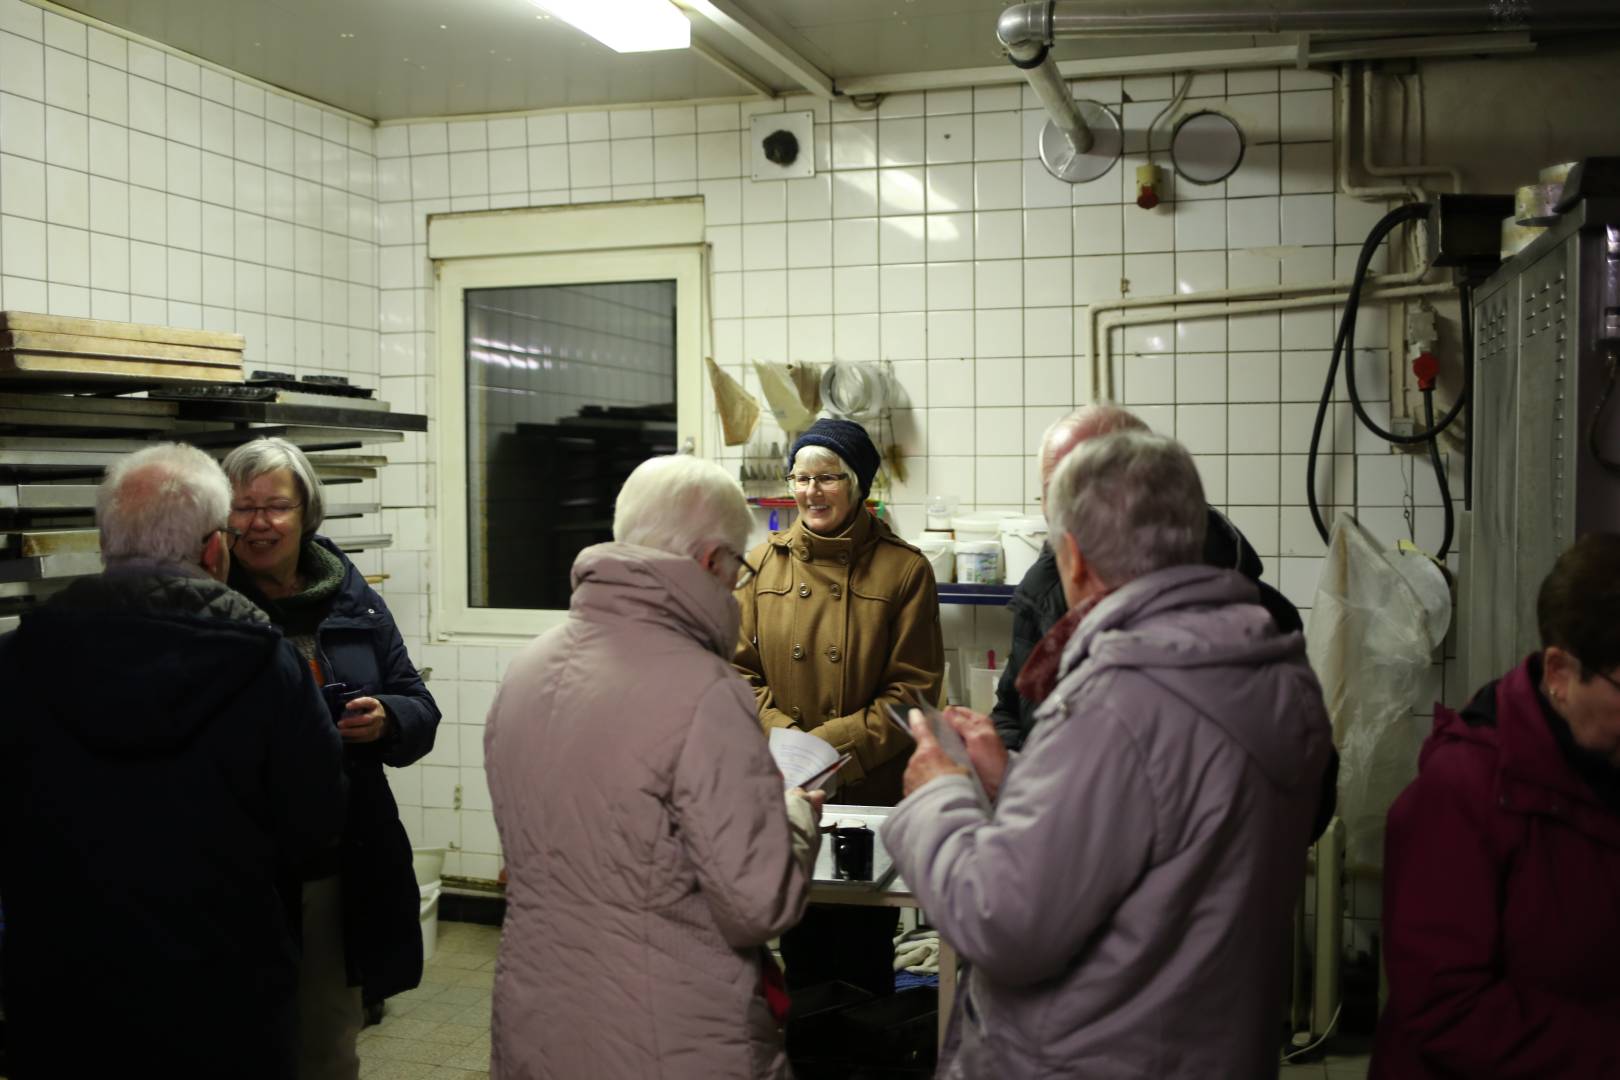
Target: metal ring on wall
1206, 147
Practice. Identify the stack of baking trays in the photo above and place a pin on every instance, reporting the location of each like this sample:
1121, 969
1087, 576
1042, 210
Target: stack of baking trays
71, 403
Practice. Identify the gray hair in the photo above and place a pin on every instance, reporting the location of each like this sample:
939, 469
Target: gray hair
161, 502
822, 453
681, 504
1133, 503
254, 459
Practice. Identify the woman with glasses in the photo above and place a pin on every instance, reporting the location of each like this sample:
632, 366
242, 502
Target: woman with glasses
841, 622
1502, 859
359, 904
650, 851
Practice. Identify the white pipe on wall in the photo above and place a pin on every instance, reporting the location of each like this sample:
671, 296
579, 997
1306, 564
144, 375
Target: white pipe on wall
1102, 365
1346, 83
1368, 166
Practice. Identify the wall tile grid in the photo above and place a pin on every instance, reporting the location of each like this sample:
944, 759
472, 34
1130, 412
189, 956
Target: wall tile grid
932, 238
138, 185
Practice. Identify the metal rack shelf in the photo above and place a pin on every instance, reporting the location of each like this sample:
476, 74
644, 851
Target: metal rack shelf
56, 440
951, 592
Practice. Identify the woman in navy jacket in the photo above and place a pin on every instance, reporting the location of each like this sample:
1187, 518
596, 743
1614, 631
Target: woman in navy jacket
359, 901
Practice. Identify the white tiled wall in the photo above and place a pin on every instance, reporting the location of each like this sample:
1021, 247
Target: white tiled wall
137, 184
933, 239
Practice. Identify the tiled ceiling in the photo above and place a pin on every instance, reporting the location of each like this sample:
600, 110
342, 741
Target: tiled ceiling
388, 59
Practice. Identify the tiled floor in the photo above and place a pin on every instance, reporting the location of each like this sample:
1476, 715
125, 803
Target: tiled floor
440, 1030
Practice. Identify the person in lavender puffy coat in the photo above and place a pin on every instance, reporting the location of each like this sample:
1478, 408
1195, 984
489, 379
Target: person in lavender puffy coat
649, 851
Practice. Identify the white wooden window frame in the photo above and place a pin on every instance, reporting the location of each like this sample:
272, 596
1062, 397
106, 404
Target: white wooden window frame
657, 240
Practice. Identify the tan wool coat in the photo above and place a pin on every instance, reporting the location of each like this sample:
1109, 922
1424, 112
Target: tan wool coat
834, 629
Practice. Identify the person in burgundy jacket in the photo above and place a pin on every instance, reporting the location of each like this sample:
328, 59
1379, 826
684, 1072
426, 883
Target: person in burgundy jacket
1502, 859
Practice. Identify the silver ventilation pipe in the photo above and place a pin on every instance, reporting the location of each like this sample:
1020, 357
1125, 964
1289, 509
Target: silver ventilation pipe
1081, 140
1116, 18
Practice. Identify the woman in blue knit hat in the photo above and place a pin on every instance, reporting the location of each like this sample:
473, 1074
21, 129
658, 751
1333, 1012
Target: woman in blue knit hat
841, 621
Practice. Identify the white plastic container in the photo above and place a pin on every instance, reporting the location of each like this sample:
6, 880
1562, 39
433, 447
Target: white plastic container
982, 683
940, 551
1021, 542
978, 562
976, 527
940, 510
429, 866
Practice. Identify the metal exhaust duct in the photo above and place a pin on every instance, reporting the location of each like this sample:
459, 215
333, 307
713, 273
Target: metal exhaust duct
1081, 142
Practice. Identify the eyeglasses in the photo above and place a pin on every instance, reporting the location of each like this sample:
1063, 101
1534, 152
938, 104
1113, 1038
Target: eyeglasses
803, 481
275, 513
232, 535
745, 572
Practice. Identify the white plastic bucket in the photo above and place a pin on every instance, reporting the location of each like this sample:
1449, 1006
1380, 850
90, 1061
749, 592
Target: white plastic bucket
941, 555
976, 528
1021, 542
429, 866
978, 562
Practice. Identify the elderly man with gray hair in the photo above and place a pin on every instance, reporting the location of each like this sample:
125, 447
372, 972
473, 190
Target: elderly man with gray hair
649, 852
164, 758
1124, 901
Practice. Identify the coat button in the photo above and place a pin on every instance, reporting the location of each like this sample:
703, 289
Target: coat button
805, 555
798, 652
804, 590
836, 590
843, 557
832, 653
794, 712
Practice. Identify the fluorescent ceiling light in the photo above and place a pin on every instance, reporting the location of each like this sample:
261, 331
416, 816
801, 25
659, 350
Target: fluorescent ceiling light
625, 25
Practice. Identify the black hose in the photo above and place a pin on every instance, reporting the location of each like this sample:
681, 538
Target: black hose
1439, 478
1344, 343
1465, 295
1594, 432
1352, 310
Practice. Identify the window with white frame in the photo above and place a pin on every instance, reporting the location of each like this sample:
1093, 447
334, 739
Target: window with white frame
560, 369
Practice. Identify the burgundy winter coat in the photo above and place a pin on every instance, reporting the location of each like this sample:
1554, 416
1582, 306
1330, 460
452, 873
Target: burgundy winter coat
1501, 903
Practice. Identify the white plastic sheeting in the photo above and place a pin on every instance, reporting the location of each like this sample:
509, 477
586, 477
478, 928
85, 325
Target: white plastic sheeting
1375, 624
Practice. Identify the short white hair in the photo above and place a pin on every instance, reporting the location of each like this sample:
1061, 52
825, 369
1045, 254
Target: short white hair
681, 504
254, 459
161, 502
812, 452
1133, 503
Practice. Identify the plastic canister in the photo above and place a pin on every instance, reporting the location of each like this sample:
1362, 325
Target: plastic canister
1021, 541
940, 551
939, 511
429, 866
978, 562
976, 527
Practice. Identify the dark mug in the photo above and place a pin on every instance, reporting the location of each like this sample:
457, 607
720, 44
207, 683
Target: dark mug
852, 853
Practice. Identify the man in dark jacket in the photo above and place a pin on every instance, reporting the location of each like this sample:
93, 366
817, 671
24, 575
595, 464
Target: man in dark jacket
1038, 603
163, 755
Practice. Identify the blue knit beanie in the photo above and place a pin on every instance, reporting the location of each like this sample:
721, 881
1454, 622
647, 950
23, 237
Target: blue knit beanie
848, 440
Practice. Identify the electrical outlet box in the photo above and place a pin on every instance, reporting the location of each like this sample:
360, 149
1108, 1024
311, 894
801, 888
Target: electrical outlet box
1421, 330
782, 146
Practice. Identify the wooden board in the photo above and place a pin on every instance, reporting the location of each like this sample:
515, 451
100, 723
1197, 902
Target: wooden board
85, 345
63, 324
24, 366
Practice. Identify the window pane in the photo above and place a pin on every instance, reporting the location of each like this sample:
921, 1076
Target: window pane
569, 388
